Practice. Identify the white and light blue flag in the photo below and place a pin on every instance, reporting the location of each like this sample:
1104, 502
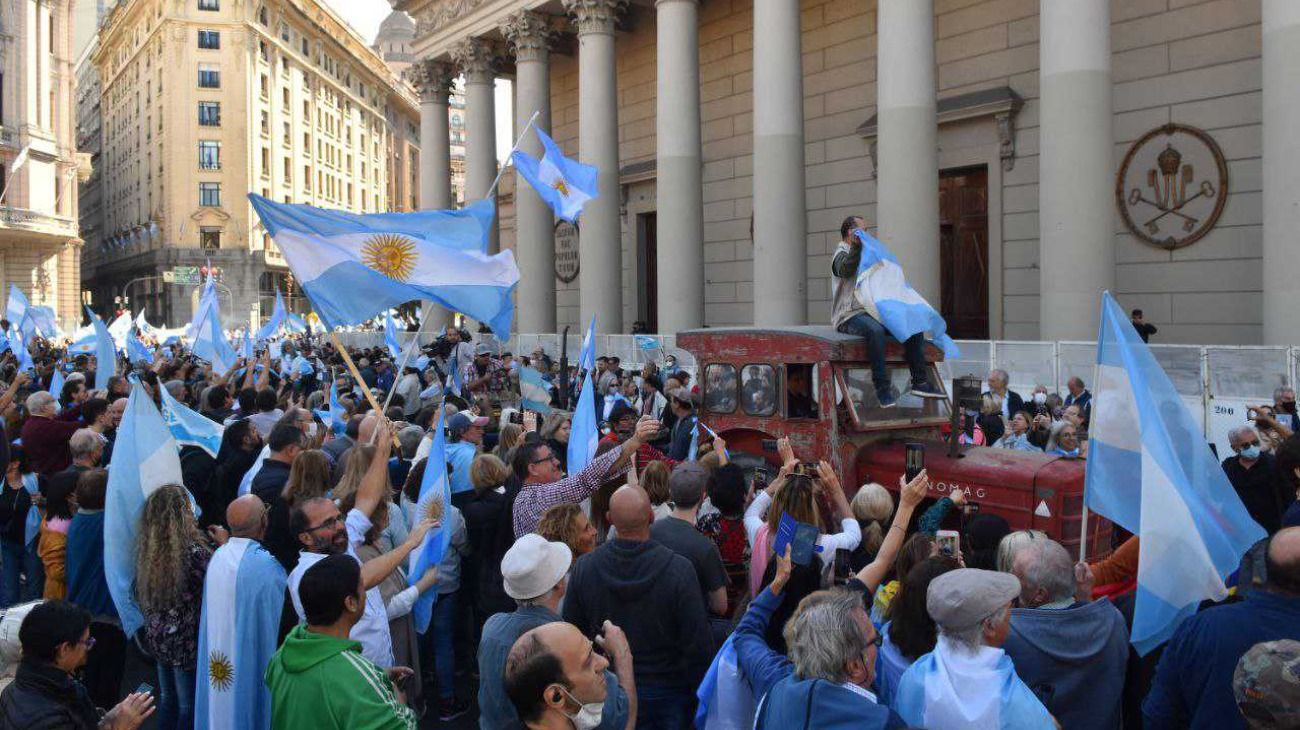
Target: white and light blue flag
18, 345
246, 483
1151, 471
453, 373
881, 286
16, 307
295, 324
566, 185
189, 427
120, 329
276, 321
584, 432
435, 502
354, 266
246, 347
338, 415
243, 594
145, 458
210, 340
105, 352
143, 327
726, 701
693, 451
57, 380
534, 391
646, 342
137, 352
391, 340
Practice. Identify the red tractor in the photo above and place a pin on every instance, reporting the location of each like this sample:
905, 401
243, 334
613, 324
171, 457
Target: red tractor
813, 385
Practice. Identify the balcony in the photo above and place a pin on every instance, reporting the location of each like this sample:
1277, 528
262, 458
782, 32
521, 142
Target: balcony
38, 225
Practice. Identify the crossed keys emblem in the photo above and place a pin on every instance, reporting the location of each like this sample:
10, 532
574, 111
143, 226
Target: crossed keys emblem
1168, 182
1172, 203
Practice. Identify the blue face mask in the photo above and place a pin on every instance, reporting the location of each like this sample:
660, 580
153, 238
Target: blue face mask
1250, 453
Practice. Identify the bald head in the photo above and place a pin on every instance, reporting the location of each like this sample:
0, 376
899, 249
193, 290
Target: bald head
630, 512
1283, 561
367, 429
246, 517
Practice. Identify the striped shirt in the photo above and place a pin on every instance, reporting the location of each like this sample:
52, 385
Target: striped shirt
534, 499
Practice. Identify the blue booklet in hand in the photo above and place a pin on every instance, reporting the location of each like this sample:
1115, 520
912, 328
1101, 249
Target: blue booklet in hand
800, 536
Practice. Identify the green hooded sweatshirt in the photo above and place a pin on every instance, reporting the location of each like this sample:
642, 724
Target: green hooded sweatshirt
318, 682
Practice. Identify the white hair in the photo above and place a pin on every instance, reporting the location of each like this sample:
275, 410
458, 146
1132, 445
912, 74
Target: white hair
1235, 434
822, 637
83, 443
971, 639
1047, 565
39, 401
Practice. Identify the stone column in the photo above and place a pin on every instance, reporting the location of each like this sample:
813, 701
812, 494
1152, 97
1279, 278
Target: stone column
476, 60
600, 236
1076, 170
529, 34
908, 153
780, 225
679, 183
434, 79
1281, 66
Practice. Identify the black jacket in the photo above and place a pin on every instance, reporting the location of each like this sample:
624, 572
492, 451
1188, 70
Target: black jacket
268, 486
14, 504
44, 697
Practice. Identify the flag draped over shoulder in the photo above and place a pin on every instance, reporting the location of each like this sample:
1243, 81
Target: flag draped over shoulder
354, 266
584, 434
145, 458
1151, 471
189, 427
566, 185
434, 501
243, 595
902, 310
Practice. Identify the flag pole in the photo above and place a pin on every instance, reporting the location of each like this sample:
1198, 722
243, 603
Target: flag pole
352, 368
518, 142
406, 357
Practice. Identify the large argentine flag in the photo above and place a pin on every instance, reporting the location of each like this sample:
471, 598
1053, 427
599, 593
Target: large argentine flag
355, 266
243, 594
584, 434
145, 457
189, 427
435, 498
1151, 471
566, 185
903, 312
726, 701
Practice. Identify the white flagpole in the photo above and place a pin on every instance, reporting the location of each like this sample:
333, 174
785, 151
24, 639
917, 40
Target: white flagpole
506, 164
406, 356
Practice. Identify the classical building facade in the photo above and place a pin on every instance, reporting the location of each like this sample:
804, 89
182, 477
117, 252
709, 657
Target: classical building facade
40, 250
1019, 156
204, 101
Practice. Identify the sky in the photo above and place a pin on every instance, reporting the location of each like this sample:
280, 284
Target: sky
365, 16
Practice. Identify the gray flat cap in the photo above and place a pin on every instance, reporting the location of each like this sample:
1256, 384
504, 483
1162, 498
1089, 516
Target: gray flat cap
960, 599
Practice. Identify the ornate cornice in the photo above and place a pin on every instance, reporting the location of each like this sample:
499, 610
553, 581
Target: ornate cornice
595, 16
529, 34
443, 12
433, 79
476, 58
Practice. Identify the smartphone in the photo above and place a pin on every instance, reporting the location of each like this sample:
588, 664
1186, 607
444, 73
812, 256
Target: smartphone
761, 479
914, 460
807, 468
842, 567
144, 688
949, 543
968, 425
517, 417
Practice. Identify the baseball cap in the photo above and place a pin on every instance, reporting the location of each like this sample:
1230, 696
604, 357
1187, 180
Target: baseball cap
482, 348
533, 566
687, 482
962, 598
1266, 684
460, 422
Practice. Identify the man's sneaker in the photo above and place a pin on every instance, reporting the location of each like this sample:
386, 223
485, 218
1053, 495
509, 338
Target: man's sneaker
885, 397
923, 389
449, 710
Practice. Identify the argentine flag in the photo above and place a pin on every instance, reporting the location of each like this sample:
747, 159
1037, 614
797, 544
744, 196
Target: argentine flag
1151, 471
120, 329
391, 341
295, 324
57, 380
105, 352
584, 433
145, 457
534, 392
142, 325
16, 307
566, 185
210, 341
189, 427
882, 286
435, 498
137, 352
338, 415
355, 266
276, 321
18, 345
243, 594
726, 701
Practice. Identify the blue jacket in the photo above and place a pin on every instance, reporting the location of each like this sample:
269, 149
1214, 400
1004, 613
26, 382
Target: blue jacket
1073, 659
762, 666
1193, 682
499, 634
87, 586
460, 456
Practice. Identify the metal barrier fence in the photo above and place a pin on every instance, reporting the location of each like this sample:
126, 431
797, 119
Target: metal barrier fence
1217, 382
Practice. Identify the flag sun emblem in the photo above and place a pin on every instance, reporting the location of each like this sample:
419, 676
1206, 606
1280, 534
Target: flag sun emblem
561, 187
390, 254
433, 510
221, 673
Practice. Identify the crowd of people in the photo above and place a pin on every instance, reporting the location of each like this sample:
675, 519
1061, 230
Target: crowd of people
657, 586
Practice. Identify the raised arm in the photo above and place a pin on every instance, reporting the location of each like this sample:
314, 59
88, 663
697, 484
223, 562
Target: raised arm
646, 429
374, 483
20, 379
911, 495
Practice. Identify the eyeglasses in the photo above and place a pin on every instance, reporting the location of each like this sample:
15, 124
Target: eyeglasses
334, 521
544, 459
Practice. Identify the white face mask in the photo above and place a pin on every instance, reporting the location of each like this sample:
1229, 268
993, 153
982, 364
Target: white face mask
588, 715
1040, 398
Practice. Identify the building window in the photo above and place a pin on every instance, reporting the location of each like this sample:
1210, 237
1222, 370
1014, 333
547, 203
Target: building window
209, 154
210, 39
305, 50
209, 76
209, 238
209, 4
210, 114
266, 86
266, 124
262, 16
209, 194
